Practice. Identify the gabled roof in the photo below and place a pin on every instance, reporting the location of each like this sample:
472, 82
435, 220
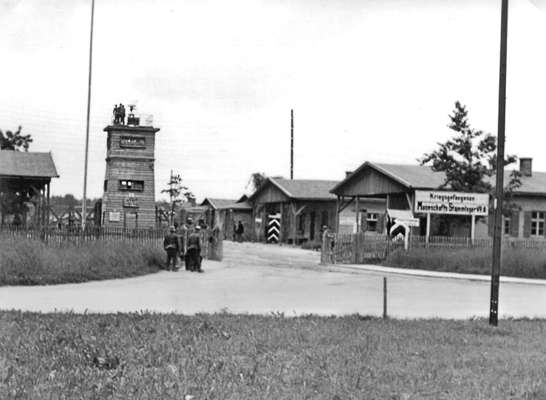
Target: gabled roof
217, 203
27, 164
409, 176
422, 177
301, 189
535, 184
223, 204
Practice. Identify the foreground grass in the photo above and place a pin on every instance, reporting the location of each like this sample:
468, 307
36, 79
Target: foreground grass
522, 263
31, 262
150, 356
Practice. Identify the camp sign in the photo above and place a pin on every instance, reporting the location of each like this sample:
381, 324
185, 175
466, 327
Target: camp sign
455, 203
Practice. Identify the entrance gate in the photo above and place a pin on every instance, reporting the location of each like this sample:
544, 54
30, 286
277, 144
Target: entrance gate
273, 228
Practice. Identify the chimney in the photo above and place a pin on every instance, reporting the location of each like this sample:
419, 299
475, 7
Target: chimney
348, 174
526, 166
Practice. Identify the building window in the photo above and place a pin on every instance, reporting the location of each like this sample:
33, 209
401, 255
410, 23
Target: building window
507, 226
537, 223
105, 185
371, 222
301, 224
127, 185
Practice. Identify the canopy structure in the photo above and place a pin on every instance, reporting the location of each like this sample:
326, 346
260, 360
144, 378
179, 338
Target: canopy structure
28, 174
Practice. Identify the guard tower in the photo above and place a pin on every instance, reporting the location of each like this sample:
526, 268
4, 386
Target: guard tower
129, 184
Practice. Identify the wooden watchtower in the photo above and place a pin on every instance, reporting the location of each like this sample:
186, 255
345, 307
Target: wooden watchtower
129, 184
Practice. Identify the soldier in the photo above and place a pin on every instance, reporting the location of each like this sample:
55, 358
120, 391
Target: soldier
193, 251
170, 244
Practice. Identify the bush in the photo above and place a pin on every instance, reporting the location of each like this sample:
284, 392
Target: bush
31, 262
523, 263
312, 245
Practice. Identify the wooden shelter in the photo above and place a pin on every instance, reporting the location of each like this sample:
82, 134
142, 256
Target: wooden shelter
28, 174
225, 213
294, 211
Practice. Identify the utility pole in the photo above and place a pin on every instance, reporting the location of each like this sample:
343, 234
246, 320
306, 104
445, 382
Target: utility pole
497, 232
291, 144
84, 200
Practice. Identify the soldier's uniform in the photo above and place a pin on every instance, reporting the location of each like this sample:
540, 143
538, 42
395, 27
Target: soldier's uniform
170, 244
193, 251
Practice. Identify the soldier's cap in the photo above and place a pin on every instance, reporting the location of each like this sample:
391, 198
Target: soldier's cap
189, 219
172, 228
197, 228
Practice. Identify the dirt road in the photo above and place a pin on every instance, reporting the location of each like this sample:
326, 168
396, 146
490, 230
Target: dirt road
258, 278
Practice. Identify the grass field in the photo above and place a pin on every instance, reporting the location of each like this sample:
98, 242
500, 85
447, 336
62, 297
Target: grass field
223, 356
523, 263
31, 262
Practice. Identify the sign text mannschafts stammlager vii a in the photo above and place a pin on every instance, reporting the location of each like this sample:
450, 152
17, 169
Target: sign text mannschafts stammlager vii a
438, 202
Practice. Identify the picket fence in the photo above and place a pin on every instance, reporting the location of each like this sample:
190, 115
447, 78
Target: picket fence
211, 240
363, 248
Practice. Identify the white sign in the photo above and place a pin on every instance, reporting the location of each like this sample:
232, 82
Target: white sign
455, 203
408, 221
114, 216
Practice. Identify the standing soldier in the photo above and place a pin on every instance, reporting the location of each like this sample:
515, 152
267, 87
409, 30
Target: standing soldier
186, 230
193, 251
170, 244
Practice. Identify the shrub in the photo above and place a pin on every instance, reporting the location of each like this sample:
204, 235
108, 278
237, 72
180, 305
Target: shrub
31, 262
523, 263
311, 245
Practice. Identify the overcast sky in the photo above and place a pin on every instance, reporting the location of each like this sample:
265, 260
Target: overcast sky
368, 80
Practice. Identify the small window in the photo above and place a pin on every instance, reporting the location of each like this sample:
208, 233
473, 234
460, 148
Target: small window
127, 185
371, 222
105, 185
507, 226
537, 224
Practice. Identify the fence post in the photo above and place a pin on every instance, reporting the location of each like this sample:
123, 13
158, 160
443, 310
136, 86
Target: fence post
384, 297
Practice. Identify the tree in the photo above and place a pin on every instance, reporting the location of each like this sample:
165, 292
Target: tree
468, 159
257, 180
175, 189
14, 140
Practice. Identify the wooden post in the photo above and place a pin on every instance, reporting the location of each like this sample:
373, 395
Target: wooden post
357, 209
47, 204
497, 231
472, 228
291, 144
427, 234
338, 205
293, 209
384, 297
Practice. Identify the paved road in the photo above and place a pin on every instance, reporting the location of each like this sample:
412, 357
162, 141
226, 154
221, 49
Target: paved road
257, 278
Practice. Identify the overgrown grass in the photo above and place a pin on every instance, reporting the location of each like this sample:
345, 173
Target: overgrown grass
523, 263
150, 356
31, 262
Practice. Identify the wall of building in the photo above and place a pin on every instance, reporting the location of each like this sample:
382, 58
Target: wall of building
124, 208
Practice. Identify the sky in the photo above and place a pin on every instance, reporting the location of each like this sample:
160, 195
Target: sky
367, 80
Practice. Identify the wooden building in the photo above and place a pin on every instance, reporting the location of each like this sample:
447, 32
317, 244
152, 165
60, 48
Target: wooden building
289, 211
225, 213
129, 183
28, 174
397, 184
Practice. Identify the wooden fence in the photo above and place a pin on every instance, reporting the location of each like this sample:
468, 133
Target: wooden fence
211, 240
363, 248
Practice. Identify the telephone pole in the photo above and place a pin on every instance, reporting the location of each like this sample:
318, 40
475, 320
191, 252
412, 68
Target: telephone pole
497, 232
84, 200
291, 144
